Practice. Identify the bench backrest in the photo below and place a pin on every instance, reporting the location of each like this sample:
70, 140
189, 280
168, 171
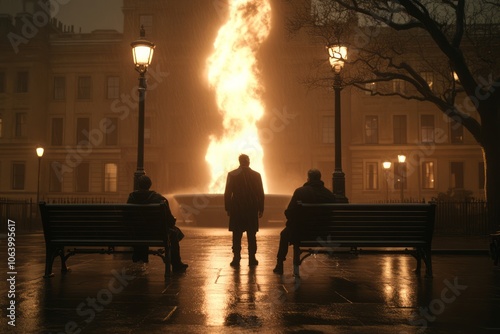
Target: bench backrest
369, 224
118, 224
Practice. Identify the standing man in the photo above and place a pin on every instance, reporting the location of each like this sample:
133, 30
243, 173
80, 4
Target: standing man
244, 204
313, 191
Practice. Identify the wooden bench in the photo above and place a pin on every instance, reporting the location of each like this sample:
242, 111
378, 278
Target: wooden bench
71, 229
366, 225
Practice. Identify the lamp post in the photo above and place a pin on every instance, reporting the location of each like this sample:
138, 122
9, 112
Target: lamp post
142, 51
401, 160
387, 167
337, 55
39, 153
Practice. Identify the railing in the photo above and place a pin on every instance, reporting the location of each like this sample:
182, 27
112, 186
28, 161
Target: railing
465, 218
453, 218
21, 211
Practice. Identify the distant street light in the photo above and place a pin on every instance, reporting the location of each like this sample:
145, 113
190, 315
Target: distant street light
337, 55
39, 153
142, 51
401, 160
387, 167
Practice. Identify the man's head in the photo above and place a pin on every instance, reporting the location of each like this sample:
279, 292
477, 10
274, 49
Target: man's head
313, 175
144, 182
244, 160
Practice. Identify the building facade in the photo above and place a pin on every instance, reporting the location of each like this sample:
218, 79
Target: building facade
75, 94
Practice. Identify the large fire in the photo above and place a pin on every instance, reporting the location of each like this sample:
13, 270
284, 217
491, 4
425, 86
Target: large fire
233, 73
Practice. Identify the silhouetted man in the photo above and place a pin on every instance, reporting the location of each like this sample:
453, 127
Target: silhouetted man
145, 196
244, 204
313, 191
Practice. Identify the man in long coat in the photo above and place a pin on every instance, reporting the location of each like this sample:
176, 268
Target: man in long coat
244, 204
313, 191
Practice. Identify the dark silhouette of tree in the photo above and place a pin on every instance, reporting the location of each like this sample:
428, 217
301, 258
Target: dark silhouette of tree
445, 52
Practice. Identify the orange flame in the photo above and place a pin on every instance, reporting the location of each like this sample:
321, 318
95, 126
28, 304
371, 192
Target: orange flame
233, 72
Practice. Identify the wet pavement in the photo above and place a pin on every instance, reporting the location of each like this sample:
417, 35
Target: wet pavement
373, 292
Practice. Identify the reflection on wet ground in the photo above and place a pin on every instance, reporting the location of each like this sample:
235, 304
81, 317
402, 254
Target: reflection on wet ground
341, 293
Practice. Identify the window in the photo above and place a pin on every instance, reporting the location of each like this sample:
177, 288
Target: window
22, 82
2, 82
481, 175
456, 133
457, 175
18, 175
371, 129
371, 179
429, 78
399, 175
398, 86
84, 88
328, 130
55, 177
82, 130
371, 88
428, 180
110, 177
21, 130
113, 87
112, 132
427, 128
56, 136
59, 88
82, 173
399, 129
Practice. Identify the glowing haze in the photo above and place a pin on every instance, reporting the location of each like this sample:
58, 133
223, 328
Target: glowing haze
233, 73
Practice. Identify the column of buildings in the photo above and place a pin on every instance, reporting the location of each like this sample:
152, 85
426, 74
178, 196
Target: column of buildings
75, 94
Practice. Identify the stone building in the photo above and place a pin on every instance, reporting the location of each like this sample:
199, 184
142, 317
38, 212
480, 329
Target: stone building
75, 94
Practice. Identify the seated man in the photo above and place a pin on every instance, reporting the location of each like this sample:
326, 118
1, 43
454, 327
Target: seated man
145, 196
313, 191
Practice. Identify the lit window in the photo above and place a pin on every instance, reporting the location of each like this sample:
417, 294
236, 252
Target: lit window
428, 181
110, 177
371, 179
427, 128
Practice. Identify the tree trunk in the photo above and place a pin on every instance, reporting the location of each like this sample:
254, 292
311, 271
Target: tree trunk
491, 148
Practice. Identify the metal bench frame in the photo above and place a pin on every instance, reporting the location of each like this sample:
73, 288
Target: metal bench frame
87, 226
366, 225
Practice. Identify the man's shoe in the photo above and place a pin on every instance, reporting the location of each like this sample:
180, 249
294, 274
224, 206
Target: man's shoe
279, 268
179, 268
253, 261
235, 263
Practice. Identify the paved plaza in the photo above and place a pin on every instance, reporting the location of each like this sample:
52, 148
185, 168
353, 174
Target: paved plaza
373, 292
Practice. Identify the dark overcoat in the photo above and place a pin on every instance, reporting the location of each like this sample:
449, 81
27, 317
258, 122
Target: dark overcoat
310, 192
244, 199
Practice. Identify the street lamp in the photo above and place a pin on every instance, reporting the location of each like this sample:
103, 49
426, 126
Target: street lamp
401, 160
39, 153
142, 51
337, 54
387, 167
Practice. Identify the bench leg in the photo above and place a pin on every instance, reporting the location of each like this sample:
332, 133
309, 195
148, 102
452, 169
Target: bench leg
428, 261
296, 260
167, 261
50, 255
